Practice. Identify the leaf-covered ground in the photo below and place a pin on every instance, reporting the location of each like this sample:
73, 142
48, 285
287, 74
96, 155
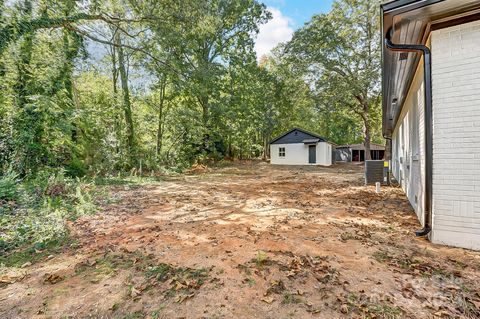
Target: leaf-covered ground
248, 241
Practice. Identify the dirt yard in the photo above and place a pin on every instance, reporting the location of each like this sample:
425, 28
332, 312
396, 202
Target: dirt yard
249, 241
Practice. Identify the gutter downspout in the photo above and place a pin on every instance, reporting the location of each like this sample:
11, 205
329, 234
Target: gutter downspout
428, 122
389, 151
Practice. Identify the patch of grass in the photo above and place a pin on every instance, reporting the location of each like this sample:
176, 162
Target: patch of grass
346, 236
390, 229
250, 281
130, 180
106, 268
160, 272
135, 315
108, 264
35, 253
370, 308
261, 258
411, 264
289, 299
156, 313
170, 293
180, 280
60, 292
382, 256
245, 269
385, 311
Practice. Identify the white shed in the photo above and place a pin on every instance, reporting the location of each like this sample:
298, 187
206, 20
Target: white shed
299, 147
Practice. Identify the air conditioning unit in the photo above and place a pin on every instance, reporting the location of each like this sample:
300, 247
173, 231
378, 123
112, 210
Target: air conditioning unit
377, 171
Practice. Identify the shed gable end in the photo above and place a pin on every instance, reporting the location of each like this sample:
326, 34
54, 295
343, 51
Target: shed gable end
295, 136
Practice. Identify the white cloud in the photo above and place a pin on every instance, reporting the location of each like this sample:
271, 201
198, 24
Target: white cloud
277, 30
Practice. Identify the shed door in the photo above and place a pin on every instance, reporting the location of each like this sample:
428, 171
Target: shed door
312, 154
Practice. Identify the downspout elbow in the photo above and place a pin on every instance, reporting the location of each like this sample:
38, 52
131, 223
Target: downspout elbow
423, 232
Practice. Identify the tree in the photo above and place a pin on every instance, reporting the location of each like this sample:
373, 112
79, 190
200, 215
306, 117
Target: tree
340, 53
107, 85
205, 37
126, 103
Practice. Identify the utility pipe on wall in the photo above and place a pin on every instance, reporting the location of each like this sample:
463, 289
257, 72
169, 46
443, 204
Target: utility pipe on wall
428, 122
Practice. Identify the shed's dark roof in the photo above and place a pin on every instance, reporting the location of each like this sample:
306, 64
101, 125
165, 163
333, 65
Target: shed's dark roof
311, 140
411, 22
296, 135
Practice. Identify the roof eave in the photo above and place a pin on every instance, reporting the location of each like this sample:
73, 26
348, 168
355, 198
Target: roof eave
390, 10
434, 14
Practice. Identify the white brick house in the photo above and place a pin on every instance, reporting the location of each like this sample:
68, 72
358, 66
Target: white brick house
435, 146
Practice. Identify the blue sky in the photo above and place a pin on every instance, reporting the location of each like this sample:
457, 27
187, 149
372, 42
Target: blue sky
288, 15
300, 11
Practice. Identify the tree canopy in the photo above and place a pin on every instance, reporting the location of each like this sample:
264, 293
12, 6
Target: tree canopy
339, 52
104, 86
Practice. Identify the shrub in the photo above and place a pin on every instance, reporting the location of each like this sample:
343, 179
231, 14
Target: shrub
76, 168
8, 186
38, 221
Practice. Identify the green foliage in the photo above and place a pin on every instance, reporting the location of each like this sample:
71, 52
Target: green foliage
167, 95
340, 53
38, 220
8, 186
76, 168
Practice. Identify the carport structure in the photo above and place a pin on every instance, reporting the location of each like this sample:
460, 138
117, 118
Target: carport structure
356, 152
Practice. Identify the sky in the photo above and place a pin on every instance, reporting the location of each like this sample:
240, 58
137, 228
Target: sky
288, 16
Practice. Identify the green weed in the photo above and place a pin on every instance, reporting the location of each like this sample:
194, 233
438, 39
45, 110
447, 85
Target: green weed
371, 308
262, 259
289, 299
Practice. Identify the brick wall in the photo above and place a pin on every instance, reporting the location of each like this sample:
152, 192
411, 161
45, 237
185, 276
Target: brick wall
456, 136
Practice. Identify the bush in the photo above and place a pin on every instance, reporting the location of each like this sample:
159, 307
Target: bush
38, 221
76, 168
8, 186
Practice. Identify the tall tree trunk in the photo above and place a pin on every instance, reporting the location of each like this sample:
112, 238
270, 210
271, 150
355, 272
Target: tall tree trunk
127, 108
205, 111
204, 100
367, 136
160, 117
117, 126
266, 148
70, 53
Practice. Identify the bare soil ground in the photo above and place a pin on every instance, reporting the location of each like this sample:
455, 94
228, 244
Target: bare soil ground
250, 241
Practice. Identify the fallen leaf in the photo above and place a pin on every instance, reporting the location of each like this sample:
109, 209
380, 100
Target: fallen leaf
9, 279
27, 264
452, 287
52, 278
134, 292
182, 298
476, 303
276, 287
442, 313
268, 300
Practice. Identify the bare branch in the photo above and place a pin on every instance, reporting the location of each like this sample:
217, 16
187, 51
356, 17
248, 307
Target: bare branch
110, 43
